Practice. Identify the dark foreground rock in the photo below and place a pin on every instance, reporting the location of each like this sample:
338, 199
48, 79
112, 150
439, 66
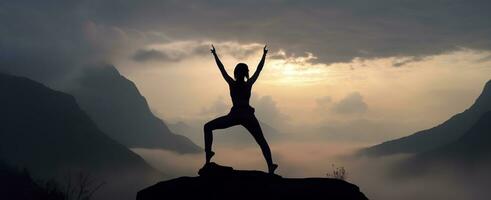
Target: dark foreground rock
217, 182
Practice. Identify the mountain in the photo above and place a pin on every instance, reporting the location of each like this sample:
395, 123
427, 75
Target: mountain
219, 182
472, 148
440, 135
46, 132
468, 157
118, 108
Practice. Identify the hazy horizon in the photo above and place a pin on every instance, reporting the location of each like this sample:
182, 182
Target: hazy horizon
387, 101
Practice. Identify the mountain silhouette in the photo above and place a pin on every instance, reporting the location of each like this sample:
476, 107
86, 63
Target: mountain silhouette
46, 132
219, 182
445, 133
118, 108
473, 148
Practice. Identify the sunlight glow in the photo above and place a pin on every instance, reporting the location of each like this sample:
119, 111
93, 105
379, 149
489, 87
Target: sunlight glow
296, 70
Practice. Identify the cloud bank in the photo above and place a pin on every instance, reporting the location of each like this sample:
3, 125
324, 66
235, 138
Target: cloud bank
46, 39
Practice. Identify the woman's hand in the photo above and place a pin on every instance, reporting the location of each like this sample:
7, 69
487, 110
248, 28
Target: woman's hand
213, 51
265, 49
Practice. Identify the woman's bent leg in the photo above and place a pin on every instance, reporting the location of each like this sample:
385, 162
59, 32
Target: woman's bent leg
218, 123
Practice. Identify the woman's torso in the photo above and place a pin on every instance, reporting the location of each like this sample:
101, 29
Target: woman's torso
240, 94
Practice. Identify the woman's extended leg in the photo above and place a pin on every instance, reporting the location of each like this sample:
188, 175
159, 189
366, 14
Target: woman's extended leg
252, 125
218, 123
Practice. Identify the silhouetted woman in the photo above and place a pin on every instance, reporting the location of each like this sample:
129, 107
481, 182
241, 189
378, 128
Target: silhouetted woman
241, 113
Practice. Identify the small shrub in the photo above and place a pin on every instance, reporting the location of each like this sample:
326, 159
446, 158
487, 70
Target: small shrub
81, 186
337, 173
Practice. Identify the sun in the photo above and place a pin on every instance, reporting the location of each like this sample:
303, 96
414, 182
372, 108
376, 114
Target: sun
300, 72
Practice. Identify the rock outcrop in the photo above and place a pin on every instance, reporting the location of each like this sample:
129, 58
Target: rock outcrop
219, 182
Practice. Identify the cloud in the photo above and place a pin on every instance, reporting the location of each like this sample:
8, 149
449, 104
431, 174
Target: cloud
152, 55
174, 51
267, 110
485, 59
361, 130
351, 104
323, 101
47, 40
406, 60
218, 107
337, 31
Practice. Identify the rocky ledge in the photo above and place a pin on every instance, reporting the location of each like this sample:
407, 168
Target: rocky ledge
219, 182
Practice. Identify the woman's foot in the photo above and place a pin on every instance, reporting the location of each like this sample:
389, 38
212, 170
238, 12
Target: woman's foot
209, 155
272, 168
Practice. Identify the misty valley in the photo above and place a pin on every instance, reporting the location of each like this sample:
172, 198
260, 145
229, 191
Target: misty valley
91, 132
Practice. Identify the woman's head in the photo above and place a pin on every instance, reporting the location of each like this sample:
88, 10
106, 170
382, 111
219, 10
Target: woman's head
241, 72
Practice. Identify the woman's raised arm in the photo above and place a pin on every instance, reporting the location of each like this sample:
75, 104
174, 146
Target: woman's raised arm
259, 66
220, 66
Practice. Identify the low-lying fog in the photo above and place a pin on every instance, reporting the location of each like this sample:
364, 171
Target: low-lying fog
317, 158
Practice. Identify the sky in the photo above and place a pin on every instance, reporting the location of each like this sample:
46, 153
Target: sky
351, 72
332, 64
295, 93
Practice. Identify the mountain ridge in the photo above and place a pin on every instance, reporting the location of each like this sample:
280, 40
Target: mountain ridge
473, 147
46, 132
442, 134
120, 110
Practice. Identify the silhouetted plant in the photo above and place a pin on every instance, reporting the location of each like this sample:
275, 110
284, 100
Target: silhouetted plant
52, 190
19, 184
81, 186
337, 173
